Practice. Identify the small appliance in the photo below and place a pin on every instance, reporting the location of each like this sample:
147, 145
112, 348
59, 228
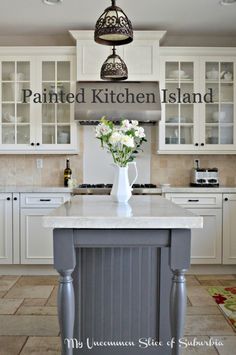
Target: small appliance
204, 177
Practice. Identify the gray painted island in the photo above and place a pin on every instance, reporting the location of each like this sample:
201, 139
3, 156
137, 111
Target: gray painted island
122, 284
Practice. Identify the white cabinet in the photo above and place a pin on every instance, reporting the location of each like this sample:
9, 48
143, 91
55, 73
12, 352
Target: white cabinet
141, 56
37, 241
37, 124
206, 243
6, 256
229, 229
207, 123
9, 228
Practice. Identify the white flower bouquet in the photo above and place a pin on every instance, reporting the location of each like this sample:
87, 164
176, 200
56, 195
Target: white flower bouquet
123, 141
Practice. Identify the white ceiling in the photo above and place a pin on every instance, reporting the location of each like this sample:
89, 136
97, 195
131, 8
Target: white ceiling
191, 17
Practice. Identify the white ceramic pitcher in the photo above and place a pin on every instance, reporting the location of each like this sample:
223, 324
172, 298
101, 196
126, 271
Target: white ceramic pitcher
122, 189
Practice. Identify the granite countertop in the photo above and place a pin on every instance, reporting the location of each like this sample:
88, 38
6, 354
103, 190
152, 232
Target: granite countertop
101, 212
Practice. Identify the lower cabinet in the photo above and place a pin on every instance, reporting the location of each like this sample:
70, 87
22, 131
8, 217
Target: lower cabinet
6, 216
206, 243
23, 239
229, 228
36, 241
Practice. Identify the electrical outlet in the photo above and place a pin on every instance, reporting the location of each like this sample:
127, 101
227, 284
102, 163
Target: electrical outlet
196, 163
39, 163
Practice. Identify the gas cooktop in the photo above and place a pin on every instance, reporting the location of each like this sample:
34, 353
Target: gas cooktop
105, 189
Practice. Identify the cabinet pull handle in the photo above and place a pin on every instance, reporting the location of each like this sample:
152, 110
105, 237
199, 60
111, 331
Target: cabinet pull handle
196, 144
193, 200
8, 198
202, 144
226, 199
32, 144
15, 198
38, 144
45, 200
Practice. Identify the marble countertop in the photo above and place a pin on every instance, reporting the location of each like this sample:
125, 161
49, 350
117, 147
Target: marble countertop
182, 189
29, 188
101, 212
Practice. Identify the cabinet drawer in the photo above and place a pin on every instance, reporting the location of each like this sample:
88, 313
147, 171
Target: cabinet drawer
43, 200
196, 200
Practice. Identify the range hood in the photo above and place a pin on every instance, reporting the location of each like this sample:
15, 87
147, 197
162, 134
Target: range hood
132, 100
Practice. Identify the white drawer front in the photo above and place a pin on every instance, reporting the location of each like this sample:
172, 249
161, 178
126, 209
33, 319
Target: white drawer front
43, 200
196, 200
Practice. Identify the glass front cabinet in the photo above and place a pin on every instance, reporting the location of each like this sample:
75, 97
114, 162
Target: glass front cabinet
37, 123
198, 110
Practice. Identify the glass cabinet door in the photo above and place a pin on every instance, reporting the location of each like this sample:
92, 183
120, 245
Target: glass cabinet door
219, 114
56, 113
178, 115
15, 114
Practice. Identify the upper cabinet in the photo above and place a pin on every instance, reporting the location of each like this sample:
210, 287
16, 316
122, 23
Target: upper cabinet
35, 124
198, 95
141, 56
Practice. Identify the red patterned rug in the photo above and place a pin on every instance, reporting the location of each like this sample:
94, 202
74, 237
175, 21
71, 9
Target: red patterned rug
225, 297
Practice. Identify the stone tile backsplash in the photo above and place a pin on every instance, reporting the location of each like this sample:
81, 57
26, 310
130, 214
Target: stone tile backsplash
172, 169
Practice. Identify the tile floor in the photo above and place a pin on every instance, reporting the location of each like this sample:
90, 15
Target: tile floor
28, 316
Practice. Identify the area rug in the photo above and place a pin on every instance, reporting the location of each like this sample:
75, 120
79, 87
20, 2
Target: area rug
225, 297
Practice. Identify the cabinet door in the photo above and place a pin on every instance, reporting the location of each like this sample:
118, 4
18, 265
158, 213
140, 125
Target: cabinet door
179, 126
16, 112
218, 130
206, 242
6, 251
56, 130
36, 241
229, 229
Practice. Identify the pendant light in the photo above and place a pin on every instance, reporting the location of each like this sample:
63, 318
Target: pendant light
113, 28
114, 68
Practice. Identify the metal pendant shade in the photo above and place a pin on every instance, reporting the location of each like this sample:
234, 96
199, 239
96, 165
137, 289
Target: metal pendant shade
113, 27
114, 68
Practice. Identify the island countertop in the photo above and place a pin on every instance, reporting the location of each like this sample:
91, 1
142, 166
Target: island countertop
142, 212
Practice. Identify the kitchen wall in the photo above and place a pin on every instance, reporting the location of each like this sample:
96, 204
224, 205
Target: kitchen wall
172, 169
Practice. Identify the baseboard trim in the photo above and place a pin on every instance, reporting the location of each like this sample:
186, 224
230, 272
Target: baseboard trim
212, 269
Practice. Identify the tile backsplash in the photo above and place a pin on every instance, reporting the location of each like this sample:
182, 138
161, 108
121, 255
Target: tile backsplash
172, 169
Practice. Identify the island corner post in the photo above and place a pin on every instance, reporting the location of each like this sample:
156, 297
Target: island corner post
121, 285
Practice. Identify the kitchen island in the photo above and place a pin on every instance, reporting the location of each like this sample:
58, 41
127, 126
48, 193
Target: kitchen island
121, 270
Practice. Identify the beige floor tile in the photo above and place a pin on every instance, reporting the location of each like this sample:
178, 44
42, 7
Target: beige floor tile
29, 325
10, 345
229, 345
2, 293
9, 306
199, 296
52, 301
191, 280
207, 325
203, 310
42, 345
35, 310
34, 302
215, 277
198, 345
38, 280
29, 292
6, 283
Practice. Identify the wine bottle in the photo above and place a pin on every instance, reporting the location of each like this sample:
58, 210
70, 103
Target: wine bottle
67, 173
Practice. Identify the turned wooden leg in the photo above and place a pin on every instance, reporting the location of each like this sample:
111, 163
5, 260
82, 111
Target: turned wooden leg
66, 310
179, 263
64, 263
178, 300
